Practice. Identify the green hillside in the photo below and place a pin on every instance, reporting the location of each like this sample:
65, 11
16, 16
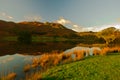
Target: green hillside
92, 68
10, 30
111, 35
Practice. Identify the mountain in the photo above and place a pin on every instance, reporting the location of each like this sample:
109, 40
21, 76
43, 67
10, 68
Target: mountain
108, 31
36, 28
107, 35
49, 29
110, 34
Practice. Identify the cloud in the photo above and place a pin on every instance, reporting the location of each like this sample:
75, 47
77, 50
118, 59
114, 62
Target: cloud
5, 15
94, 28
69, 23
63, 21
32, 18
79, 28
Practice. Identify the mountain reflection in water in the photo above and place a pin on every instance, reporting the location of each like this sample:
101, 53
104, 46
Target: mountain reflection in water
16, 62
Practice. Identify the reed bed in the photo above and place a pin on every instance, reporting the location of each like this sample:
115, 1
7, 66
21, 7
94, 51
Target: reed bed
79, 54
27, 68
108, 50
48, 60
10, 76
96, 52
35, 76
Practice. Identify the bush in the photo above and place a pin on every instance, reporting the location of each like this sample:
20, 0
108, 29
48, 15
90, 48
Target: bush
24, 37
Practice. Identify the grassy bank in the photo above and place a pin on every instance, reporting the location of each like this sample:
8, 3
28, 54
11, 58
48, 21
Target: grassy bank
37, 39
41, 39
104, 65
92, 68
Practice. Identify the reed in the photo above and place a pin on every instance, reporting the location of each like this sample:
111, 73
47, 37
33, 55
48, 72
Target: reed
35, 76
79, 54
27, 68
109, 50
10, 76
66, 58
35, 62
48, 60
96, 52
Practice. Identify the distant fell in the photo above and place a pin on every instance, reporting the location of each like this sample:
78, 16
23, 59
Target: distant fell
36, 28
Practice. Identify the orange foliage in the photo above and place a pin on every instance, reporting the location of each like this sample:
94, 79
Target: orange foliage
33, 76
96, 52
27, 68
108, 50
79, 54
10, 76
50, 59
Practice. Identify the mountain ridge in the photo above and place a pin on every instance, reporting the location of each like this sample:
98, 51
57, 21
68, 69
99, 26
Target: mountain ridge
39, 28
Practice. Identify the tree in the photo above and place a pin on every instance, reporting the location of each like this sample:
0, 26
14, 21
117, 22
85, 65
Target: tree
24, 37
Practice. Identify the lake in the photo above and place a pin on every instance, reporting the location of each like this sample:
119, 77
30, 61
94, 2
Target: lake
16, 62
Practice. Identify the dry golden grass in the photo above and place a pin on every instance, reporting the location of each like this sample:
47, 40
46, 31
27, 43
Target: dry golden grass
108, 50
79, 54
34, 65
35, 76
55, 58
10, 76
66, 58
44, 60
96, 52
27, 68
35, 62
105, 50
48, 60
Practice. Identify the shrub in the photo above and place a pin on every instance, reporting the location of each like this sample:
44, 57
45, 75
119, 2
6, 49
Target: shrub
24, 37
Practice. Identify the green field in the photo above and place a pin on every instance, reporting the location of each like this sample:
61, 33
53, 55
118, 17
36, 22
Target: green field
91, 68
37, 39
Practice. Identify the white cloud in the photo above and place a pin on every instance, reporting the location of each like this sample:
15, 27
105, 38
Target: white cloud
10, 17
63, 21
94, 28
75, 26
78, 28
5, 15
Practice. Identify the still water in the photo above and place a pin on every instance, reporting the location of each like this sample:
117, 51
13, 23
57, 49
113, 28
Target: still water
16, 62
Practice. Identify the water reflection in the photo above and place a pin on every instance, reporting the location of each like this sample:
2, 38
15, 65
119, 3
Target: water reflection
11, 48
15, 63
88, 50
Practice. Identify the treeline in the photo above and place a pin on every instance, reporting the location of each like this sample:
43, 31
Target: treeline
91, 39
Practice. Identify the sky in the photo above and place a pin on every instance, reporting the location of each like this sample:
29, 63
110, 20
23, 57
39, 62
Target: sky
81, 14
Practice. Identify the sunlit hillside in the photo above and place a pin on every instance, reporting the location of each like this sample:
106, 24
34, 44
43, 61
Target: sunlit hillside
36, 28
